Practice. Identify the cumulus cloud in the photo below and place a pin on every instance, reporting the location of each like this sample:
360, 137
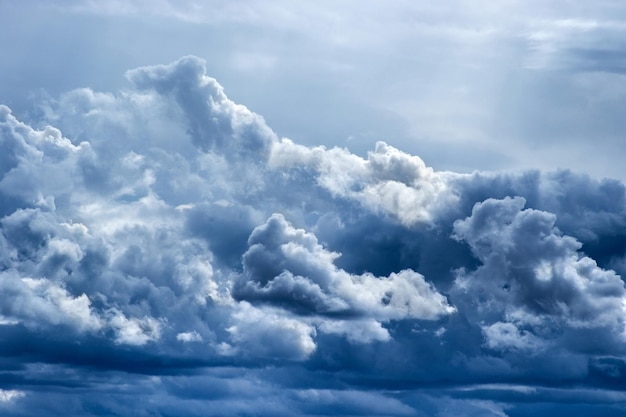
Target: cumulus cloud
214, 121
389, 181
189, 337
288, 266
166, 232
134, 331
270, 334
534, 276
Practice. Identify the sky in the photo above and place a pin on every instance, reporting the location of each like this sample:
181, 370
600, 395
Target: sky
339, 208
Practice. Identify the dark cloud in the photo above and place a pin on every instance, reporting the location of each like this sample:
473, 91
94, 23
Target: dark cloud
163, 252
225, 227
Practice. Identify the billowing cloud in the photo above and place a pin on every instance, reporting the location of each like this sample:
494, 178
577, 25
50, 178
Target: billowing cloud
268, 334
288, 266
534, 282
389, 181
214, 121
162, 239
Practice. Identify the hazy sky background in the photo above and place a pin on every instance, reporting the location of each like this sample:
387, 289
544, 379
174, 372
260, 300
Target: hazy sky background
464, 84
362, 208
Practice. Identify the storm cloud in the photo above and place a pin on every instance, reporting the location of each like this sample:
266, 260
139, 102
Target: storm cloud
164, 252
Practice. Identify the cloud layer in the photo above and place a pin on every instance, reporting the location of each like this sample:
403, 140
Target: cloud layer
163, 243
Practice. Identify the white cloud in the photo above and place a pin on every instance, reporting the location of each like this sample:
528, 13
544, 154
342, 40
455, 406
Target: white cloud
505, 336
10, 395
389, 181
39, 303
268, 333
187, 337
134, 331
356, 331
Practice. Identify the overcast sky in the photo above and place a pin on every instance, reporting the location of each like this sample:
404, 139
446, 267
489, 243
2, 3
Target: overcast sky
334, 208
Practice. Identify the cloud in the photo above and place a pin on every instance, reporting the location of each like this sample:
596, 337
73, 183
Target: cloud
534, 276
267, 334
135, 331
288, 266
189, 337
163, 239
504, 336
389, 181
215, 122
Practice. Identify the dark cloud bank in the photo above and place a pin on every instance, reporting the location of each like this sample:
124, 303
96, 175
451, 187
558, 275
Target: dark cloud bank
164, 253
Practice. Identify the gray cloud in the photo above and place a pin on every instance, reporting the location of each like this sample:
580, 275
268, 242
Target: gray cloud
289, 266
534, 277
214, 121
164, 239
